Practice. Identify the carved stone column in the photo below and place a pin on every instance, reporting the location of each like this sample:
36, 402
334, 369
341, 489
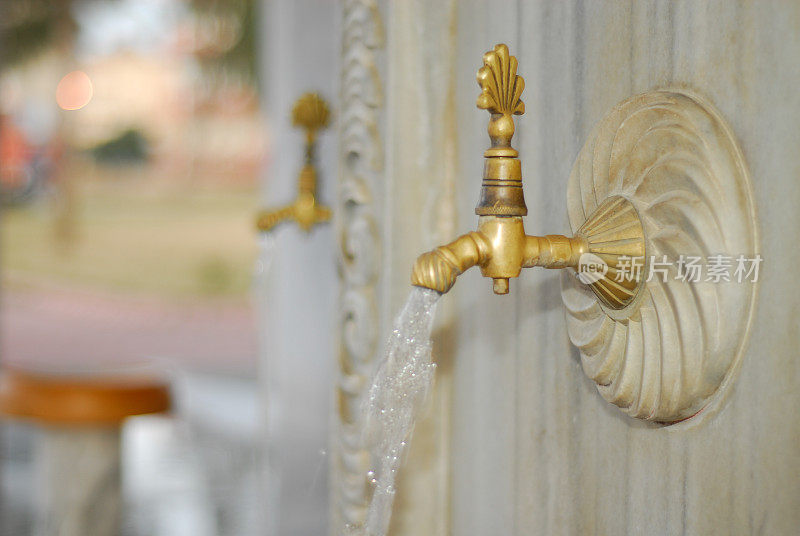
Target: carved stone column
297, 290
357, 217
396, 198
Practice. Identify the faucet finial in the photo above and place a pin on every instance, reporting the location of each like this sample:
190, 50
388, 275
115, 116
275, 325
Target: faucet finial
501, 89
311, 113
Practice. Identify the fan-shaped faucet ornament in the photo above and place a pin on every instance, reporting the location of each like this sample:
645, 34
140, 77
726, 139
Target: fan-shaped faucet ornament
661, 176
311, 113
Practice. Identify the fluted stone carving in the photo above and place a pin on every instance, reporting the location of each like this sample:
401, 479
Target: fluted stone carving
361, 168
664, 357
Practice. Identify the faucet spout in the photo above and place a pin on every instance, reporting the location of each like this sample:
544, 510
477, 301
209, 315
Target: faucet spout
439, 268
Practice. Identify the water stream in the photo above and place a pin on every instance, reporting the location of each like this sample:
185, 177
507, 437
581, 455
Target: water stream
398, 393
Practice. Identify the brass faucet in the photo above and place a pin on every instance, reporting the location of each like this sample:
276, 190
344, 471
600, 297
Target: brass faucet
612, 234
311, 113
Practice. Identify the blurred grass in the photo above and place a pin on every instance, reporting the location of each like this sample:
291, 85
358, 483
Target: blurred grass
136, 232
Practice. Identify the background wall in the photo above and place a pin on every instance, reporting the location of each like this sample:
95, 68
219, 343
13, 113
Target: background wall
298, 283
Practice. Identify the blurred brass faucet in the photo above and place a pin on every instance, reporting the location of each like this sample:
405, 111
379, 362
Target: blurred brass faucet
311, 113
500, 246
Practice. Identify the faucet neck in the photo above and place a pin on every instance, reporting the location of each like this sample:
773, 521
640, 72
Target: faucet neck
307, 179
501, 190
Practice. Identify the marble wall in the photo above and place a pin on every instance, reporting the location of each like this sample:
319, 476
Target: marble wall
519, 441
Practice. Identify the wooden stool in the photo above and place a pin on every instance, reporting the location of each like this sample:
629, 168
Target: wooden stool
79, 456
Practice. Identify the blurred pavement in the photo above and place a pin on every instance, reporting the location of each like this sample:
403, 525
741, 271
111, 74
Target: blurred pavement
73, 327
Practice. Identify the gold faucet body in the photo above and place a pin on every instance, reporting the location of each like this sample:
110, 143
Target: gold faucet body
311, 113
500, 247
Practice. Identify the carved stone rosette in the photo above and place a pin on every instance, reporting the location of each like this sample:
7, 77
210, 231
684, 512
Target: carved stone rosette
361, 171
665, 356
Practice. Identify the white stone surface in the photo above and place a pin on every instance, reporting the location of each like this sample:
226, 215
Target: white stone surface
297, 297
532, 447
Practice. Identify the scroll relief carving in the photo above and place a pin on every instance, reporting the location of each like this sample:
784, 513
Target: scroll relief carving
666, 356
361, 160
